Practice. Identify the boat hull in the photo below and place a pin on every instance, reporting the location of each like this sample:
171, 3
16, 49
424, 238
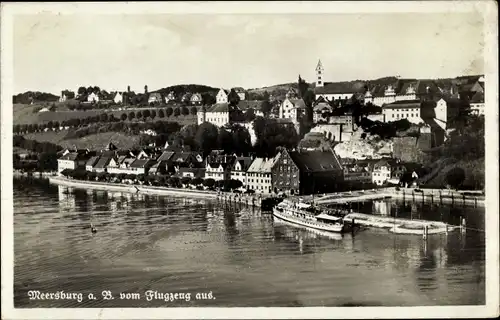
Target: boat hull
336, 228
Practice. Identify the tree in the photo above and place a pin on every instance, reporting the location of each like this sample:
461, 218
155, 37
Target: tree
233, 98
186, 180
131, 116
153, 114
185, 111
194, 111
82, 91
206, 137
207, 99
174, 182
104, 117
169, 111
235, 184
209, 183
455, 177
161, 114
139, 115
303, 87
123, 117
146, 114
250, 115
266, 107
196, 181
224, 140
177, 112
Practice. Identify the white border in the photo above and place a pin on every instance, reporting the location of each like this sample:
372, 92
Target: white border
488, 8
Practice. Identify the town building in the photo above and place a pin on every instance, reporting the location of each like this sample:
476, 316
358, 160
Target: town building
170, 97
285, 174
118, 99
155, 97
196, 99
241, 93
218, 114
93, 98
319, 171
400, 90
239, 169
259, 175
477, 104
218, 171
387, 171
63, 97
73, 160
404, 109
222, 96
334, 91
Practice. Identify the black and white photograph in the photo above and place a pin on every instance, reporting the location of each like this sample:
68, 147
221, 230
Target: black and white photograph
249, 160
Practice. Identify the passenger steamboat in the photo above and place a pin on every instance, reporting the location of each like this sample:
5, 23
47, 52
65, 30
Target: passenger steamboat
306, 215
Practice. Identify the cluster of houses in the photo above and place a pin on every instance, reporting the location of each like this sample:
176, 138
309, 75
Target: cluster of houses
297, 171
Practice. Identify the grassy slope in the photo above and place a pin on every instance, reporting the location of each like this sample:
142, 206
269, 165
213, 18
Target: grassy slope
23, 114
474, 170
93, 142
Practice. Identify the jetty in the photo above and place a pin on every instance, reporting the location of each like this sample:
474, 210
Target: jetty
433, 196
398, 225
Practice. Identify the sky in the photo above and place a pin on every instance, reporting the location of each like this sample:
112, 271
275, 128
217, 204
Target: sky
57, 52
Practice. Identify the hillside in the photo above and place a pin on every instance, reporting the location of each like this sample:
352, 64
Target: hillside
26, 114
181, 89
92, 142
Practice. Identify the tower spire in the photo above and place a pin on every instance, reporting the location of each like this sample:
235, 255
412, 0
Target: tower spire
319, 74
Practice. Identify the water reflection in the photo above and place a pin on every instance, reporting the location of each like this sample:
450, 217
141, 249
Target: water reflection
248, 258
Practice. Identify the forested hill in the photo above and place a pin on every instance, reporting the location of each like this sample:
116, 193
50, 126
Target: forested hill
181, 89
35, 96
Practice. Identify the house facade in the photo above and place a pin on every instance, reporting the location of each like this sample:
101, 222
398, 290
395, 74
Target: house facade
239, 169
218, 115
259, 175
285, 174
222, 96
240, 92
405, 109
118, 98
218, 171
155, 97
73, 161
320, 171
93, 98
292, 109
196, 99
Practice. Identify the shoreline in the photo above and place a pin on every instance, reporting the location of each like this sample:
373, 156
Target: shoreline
132, 188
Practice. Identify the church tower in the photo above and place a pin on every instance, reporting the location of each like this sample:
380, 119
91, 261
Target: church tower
319, 74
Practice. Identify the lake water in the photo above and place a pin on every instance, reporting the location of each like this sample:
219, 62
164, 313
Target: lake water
231, 255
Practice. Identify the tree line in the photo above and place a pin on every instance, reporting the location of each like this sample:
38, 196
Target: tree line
105, 118
154, 180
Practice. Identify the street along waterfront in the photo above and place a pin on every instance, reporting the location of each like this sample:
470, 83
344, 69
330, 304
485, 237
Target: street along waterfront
175, 244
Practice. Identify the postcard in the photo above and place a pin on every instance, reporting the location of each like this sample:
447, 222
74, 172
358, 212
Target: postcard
237, 160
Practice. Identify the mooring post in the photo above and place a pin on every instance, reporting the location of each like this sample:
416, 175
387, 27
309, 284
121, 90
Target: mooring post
463, 197
413, 195
403, 195
475, 202
424, 235
353, 224
452, 199
440, 198
463, 226
432, 198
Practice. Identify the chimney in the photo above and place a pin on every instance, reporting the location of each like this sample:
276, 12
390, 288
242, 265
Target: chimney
128, 89
146, 89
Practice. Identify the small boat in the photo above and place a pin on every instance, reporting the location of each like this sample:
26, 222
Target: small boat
304, 214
